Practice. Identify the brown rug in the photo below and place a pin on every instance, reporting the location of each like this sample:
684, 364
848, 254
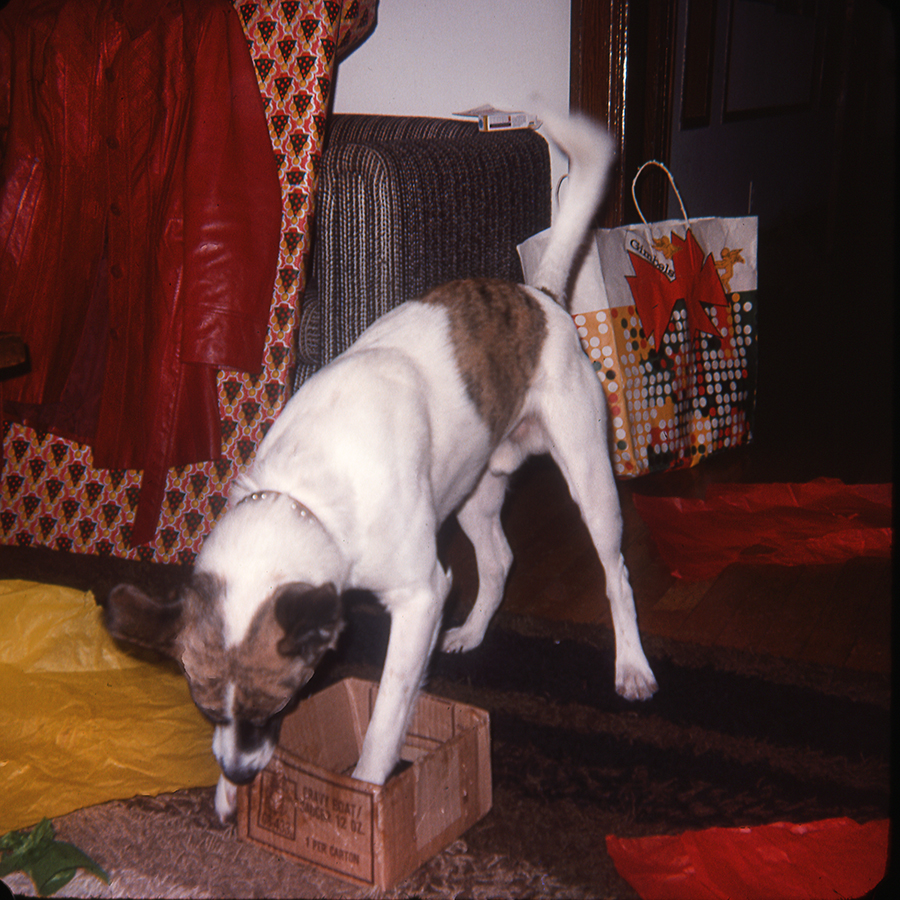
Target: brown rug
173, 846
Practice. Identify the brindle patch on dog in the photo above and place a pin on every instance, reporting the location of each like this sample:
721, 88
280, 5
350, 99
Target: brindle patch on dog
498, 331
201, 646
263, 679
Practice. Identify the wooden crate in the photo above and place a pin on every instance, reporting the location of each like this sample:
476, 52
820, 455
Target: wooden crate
306, 806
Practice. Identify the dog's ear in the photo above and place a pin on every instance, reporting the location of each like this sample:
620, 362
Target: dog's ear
312, 619
132, 616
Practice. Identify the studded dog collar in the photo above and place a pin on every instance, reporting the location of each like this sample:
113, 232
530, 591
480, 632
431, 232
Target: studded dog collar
296, 505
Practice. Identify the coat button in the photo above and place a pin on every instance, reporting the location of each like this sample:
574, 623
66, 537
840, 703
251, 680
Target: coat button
112, 143
110, 74
116, 270
115, 209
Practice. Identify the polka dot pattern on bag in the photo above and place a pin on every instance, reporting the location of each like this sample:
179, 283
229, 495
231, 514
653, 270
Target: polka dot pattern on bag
672, 407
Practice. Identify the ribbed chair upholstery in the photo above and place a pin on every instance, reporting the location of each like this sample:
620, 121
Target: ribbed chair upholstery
406, 203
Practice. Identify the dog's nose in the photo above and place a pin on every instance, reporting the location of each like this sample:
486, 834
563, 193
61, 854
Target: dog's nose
240, 774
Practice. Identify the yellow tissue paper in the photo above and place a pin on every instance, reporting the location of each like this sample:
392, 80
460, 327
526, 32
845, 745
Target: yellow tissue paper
81, 721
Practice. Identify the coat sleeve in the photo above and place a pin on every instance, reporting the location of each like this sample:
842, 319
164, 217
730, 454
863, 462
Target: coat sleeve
232, 204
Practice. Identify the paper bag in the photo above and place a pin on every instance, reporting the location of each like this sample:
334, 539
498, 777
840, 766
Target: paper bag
667, 313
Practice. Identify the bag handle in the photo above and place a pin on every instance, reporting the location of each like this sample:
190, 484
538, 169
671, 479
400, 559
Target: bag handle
656, 162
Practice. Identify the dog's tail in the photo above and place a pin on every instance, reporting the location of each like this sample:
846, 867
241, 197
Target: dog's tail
591, 153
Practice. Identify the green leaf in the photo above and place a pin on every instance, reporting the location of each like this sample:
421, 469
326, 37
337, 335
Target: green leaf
57, 868
49, 863
18, 842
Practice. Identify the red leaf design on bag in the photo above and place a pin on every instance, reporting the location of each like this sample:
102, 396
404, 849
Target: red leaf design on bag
696, 282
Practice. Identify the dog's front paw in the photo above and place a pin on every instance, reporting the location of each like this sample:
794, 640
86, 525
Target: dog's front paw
459, 640
226, 799
635, 681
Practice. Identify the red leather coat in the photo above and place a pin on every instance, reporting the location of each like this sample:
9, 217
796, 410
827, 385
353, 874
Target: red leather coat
139, 224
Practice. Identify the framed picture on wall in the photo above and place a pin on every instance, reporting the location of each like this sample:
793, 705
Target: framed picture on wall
774, 57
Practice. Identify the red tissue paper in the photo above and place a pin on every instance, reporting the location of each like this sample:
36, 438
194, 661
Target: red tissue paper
824, 521
831, 858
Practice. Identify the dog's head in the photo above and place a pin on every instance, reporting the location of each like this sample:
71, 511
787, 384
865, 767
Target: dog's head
248, 634
244, 688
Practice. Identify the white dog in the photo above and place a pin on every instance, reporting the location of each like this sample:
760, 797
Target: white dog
428, 413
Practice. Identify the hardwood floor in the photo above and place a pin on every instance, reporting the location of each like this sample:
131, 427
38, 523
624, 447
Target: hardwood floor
836, 615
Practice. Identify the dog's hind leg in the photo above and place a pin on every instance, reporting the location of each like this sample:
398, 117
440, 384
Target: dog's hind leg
595, 493
479, 518
573, 414
415, 622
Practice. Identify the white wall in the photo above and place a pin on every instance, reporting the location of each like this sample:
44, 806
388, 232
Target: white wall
436, 57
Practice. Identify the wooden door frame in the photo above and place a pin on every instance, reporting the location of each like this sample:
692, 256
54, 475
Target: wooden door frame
622, 72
